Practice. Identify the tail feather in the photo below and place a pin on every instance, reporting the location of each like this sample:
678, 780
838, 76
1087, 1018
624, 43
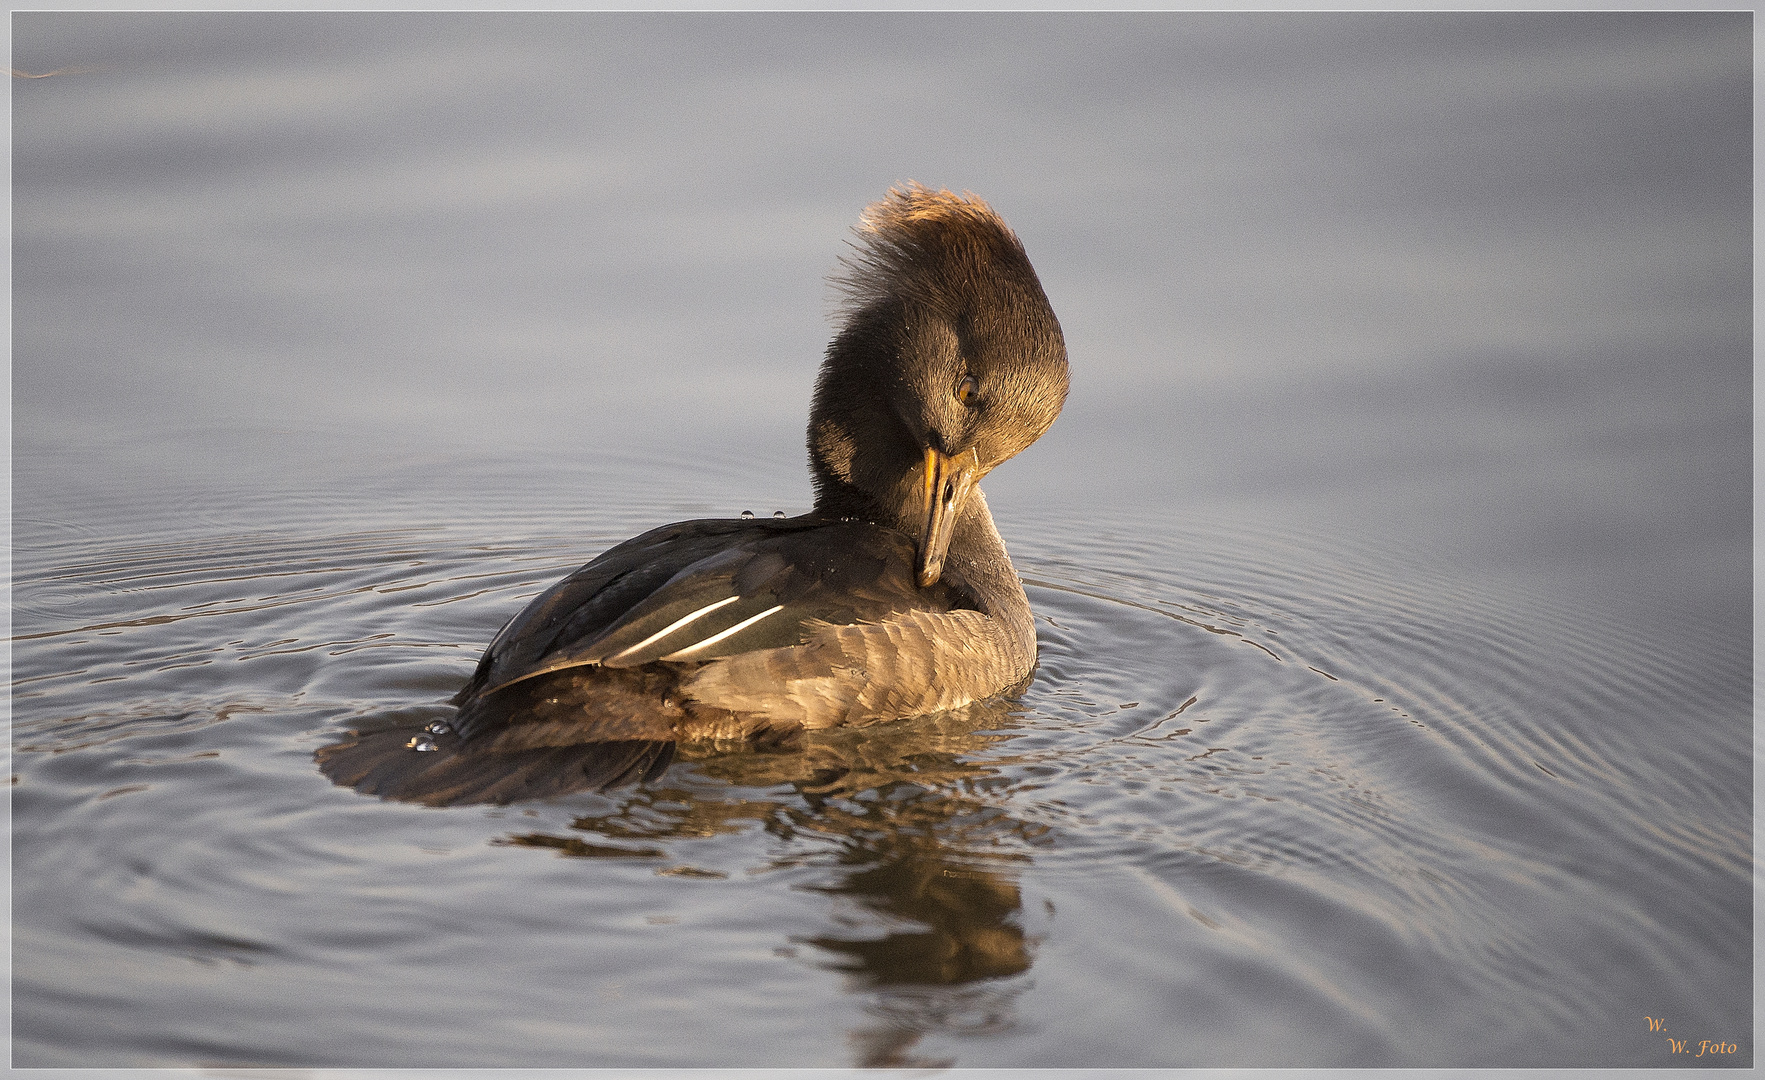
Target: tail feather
387, 764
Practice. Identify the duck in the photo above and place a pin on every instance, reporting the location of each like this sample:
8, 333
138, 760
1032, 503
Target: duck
892, 597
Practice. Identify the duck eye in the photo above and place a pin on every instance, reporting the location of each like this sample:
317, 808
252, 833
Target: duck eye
968, 390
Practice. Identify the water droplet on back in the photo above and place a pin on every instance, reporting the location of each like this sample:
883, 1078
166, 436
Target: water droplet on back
778, 513
747, 515
439, 727
421, 742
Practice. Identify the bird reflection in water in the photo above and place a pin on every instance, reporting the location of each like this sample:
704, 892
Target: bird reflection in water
922, 859
947, 978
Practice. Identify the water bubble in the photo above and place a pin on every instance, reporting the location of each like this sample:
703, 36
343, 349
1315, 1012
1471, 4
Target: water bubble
421, 742
778, 513
747, 515
440, 727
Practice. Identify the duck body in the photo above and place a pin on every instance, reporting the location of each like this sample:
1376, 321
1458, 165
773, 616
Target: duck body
894, 597
719, 629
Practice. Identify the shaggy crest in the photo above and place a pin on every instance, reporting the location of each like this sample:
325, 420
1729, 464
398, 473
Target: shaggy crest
931, 246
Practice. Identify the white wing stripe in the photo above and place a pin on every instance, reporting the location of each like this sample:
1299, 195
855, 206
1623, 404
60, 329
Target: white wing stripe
675, 625
715, 638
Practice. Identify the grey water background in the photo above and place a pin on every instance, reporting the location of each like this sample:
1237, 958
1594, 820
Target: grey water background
1391, 559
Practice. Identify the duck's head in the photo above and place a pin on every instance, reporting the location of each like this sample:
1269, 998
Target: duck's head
950, 361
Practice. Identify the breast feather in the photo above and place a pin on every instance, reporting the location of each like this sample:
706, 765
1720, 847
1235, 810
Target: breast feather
908, 664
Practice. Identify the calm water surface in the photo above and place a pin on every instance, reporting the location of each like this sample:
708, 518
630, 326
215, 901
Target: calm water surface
1391, 562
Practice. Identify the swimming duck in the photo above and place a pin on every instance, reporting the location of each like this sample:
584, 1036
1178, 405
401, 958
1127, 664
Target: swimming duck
893, 597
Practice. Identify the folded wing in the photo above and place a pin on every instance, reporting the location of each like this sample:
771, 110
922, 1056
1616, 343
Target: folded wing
700, 591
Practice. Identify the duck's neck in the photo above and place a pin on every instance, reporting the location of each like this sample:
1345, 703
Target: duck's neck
977, 553
861, 455
837, 498
978, 565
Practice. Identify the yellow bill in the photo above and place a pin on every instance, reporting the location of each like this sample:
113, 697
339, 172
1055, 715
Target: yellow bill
943, 489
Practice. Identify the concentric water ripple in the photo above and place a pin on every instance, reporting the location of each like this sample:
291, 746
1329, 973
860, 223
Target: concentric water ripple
1288, 786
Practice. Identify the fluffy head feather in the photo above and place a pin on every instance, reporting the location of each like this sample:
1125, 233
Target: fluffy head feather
934, 247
